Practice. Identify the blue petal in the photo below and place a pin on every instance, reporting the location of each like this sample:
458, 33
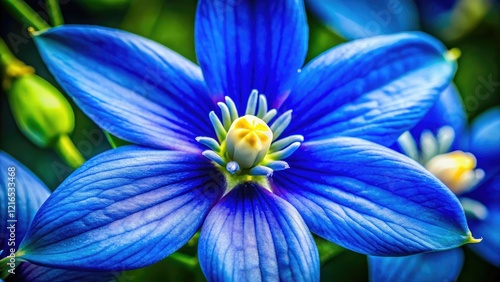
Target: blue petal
436, 266
27, 272
366, 18
374, 88
244, 45
447, 111
134, 88
371, 199
253, 235
485, 140
29, 193
126, 208
489, 230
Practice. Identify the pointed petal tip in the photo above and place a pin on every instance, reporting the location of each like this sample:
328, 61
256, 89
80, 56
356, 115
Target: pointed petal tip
42, 34
34, 32
453, 54
472, 240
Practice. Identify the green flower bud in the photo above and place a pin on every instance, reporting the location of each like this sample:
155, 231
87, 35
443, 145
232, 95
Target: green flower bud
41, 111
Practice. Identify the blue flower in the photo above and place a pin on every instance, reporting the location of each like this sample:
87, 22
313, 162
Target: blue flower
21, 196
447, 19
466, 160
255, 182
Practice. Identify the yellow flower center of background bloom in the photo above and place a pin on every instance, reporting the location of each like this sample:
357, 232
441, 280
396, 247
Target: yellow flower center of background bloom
456, 170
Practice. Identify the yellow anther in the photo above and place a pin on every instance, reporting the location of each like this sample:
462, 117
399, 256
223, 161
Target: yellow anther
456, 170
248, 141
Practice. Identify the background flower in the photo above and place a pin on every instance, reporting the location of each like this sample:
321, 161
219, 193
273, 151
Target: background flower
448, 20
480, 197
29, 195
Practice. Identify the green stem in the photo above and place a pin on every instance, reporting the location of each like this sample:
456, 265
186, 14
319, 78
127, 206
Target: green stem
110, 139
186, 260
4, 273
327, 255
10, 66
26, 14
68, 151
3, 267
55, 12
327, 250
6, 57
3, 262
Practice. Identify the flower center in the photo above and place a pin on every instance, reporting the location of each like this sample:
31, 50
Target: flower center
457, 170
248, 145
248, 141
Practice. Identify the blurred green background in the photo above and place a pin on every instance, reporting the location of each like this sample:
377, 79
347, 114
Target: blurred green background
172, 24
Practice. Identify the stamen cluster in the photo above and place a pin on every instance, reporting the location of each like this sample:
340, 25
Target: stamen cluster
455, 169
242, 142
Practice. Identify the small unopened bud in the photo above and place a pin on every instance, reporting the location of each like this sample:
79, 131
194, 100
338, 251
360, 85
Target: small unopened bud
40, 110
248, 141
